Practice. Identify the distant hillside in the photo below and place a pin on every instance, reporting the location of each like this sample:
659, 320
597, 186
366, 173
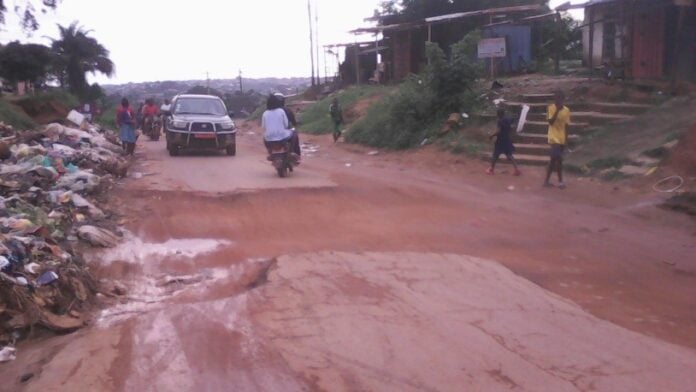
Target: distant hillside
167, 89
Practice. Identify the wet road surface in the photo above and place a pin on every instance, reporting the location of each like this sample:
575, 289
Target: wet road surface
376, 273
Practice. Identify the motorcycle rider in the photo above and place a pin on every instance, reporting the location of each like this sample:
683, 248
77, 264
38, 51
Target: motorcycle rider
276, 126
150, 112
291, 116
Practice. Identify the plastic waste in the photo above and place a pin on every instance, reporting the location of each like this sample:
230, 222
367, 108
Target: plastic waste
4, 262
47, 278
32, 268
8, 353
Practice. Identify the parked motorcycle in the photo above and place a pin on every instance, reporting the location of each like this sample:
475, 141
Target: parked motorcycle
281, 157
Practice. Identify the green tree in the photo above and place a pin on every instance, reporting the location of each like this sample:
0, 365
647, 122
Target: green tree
27, 10
78, 54
24, 62
564, 40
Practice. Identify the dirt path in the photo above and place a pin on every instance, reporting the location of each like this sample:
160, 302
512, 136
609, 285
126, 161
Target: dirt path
402, 271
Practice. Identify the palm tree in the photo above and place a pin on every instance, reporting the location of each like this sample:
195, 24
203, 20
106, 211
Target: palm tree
78, 54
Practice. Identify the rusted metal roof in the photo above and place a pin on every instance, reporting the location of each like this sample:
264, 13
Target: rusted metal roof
447, 18
490, 11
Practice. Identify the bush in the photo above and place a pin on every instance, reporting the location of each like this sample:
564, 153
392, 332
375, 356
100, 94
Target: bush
12, 115
411, 114
63, 97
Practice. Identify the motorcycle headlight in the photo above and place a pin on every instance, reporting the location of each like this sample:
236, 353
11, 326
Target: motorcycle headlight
227, 125
179, 124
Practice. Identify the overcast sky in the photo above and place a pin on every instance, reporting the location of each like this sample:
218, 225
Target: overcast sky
154, 40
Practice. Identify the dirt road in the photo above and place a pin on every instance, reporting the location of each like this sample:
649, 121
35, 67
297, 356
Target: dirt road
399, 271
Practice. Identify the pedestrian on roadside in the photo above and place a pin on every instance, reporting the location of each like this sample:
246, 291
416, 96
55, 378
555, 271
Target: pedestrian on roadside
125, 119
337, 118
559, 120
503, 143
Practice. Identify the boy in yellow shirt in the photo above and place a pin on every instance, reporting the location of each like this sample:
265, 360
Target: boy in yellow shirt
559, 119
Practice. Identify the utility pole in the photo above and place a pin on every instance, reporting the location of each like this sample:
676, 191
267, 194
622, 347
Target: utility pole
311, 38
316, 28
207, 81
241, 84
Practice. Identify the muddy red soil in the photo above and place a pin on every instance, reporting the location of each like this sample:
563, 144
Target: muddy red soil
603, 246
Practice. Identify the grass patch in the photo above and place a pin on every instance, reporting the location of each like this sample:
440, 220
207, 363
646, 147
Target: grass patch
316, 119
63, 97
613, 175
14, 116
607, 163
108, 117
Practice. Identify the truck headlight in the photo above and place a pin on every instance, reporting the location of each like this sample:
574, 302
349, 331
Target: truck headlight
227, 125
179, 124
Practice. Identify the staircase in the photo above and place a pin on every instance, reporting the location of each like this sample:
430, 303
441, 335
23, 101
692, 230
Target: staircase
532, 143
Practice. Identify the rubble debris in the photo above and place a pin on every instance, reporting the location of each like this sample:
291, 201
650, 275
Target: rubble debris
49, 179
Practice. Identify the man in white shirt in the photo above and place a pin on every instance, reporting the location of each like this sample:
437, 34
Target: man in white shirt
277, 126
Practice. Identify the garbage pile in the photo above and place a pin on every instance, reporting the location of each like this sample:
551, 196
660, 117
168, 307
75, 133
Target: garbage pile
50, 181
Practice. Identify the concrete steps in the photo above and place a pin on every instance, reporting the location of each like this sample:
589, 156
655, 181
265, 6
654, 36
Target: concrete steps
537, 138
532, 144
531, 149
543, 127
521, 159
590, 118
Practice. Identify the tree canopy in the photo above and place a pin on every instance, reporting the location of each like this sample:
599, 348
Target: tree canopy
27, 10
24, 62
78, 54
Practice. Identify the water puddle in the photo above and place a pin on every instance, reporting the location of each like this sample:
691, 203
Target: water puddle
136, 251
153, 293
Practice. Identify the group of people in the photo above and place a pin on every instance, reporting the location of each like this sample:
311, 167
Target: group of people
558, 117
129, 121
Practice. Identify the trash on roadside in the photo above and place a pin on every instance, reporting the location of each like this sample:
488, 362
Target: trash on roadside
373, 153
47, 278
8, 354
349, 164
48, 179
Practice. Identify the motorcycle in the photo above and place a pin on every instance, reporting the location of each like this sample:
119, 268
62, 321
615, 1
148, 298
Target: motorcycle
151, 127
281, 157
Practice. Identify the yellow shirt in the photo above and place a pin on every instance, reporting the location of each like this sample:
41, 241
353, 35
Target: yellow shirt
558, 130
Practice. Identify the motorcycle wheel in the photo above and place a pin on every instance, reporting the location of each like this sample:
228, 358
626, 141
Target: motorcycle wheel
282, 171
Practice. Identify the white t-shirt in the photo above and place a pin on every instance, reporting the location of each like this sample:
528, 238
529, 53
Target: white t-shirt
275, 123
165, 107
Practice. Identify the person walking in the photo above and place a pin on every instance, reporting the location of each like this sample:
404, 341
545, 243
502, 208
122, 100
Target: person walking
503, 143
558, 116
125, 119
337, 118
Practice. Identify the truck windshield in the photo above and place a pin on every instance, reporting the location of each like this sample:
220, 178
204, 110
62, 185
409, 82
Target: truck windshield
204, 106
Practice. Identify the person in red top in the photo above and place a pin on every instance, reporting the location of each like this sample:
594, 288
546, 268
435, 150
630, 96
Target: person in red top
150, 112
150, 109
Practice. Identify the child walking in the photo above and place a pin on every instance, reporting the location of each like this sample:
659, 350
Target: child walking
503, 143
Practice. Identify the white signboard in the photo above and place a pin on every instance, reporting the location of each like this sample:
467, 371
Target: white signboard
492, 47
